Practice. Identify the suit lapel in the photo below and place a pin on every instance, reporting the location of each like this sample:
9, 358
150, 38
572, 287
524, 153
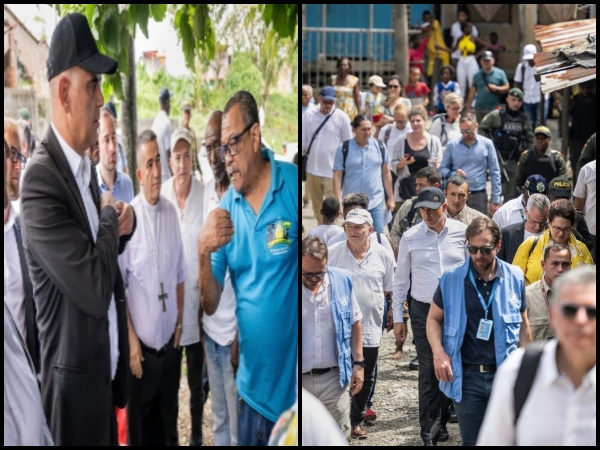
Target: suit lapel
57, 154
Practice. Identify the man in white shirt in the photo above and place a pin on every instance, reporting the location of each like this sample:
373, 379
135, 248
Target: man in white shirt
525, 79
585, 199
330, 211
220, 329
162, 127
372, 269
560, 408
513, 211
186, 193
426, 251
24, 421
153, 267
17, 284
329, 305
319, 168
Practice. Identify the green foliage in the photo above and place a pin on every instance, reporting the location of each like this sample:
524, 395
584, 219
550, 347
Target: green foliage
281, 121
283, 18
243, 74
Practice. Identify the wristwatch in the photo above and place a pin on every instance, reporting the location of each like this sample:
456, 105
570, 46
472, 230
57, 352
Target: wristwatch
359, 363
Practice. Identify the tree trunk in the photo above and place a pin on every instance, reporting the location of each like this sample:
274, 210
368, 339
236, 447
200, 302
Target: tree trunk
130, 118
400, 21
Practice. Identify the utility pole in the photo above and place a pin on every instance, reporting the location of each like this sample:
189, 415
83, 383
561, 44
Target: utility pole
400, 24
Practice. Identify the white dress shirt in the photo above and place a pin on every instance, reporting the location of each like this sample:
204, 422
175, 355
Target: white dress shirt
555, 413
162, 127
511, 212
153, 325
370, 279
373, 238
82, 172
586, 188
426, 254
319, 346
222, 325
330, 137
191, 220
14, 295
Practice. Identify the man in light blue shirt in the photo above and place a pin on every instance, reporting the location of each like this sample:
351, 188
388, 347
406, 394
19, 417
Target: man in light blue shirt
255, 236
474, 157
365, 168
109, 177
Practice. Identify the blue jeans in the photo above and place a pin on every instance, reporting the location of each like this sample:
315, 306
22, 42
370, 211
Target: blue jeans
476, 390
253, 429
377, 215
223, 392
532, 110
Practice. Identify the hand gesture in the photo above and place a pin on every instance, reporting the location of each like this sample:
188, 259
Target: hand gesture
217, 231
125, 212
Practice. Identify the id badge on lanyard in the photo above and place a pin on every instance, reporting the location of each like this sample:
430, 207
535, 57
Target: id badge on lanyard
484, 330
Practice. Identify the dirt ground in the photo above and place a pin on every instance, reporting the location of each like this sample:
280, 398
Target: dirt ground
184, 421
396, 400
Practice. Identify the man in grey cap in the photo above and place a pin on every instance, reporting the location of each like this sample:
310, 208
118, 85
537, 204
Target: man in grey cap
162, 127
426, 251
72, 237
488, 85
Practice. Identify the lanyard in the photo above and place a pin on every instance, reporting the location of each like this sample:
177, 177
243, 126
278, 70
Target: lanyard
522, 215
491, 299
544, 294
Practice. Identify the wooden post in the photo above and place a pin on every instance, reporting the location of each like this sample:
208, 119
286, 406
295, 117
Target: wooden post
400, 24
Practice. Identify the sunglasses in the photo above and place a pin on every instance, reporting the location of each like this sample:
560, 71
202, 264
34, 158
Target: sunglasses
393, 86
467, 132
484, 250
313, 276
570, 311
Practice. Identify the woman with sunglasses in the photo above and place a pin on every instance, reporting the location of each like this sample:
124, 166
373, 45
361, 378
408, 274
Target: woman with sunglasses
395, 97
561, 219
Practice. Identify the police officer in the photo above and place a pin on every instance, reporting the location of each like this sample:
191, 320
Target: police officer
541, 160
510, 129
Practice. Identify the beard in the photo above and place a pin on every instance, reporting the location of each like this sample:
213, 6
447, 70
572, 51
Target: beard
12, 192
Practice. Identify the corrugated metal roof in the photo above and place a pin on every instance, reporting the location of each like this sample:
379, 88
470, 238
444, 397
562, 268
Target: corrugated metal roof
556, 71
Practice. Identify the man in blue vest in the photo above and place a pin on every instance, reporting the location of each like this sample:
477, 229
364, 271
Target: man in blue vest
331, 333
477, 318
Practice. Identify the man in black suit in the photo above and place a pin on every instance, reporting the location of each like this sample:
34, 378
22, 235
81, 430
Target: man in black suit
536, 221
72, 239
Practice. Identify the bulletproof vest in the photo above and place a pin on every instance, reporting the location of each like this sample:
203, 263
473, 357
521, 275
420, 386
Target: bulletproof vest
544, 166
511, 129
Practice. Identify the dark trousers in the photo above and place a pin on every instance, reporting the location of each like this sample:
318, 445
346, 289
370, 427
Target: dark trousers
195, 374
479, 201
359, 401
153, 404
431, 401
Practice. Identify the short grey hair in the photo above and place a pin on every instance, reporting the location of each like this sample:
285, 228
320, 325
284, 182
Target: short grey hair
314, 247
468, 117
581, 276
245, 100
540, 201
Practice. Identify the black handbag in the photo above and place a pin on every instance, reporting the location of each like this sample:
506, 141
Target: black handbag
408, 187
305, 156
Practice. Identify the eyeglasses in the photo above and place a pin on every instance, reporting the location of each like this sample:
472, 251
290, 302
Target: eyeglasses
565, 230
570, 311
468, 132
313, 276
484, 250
231, 146
542, 224
393, 86
16, 156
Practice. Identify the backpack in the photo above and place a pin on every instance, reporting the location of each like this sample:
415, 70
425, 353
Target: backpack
444, 135
526, 375
346, 146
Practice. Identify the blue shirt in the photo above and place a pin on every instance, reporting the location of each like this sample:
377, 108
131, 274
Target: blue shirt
263, 262
484, 99
123, 188
475, 161
363, 170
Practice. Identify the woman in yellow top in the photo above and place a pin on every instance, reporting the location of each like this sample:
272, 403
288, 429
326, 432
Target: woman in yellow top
470, 47
561, 219
346, 88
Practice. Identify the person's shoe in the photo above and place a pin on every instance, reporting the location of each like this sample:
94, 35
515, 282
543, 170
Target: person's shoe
453, 418
444, 436
358, 432
414, 364
370, 415
428, 443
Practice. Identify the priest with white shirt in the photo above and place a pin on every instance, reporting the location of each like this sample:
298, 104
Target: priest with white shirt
153, 268
186, 193
220, 329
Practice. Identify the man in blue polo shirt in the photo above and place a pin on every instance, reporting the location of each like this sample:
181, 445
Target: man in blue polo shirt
255, 236
109, 177
473, 157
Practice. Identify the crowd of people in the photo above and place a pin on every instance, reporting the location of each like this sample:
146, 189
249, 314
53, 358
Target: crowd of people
105, 291
468, 225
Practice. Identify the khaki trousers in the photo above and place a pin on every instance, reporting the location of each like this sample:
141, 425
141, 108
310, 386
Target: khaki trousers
317, 189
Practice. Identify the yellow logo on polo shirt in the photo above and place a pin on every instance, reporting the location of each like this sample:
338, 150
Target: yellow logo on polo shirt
278, 236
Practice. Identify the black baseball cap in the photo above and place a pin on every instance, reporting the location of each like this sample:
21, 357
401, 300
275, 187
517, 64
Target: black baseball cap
74, 45
560, 187
431, 198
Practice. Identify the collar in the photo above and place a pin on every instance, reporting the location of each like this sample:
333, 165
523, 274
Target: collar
276, 178
497, 274
466, 145
152, 209
459, 216
12, 215
101, 183
549, 372
548, 152
428, 230
81, 167
546, 286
